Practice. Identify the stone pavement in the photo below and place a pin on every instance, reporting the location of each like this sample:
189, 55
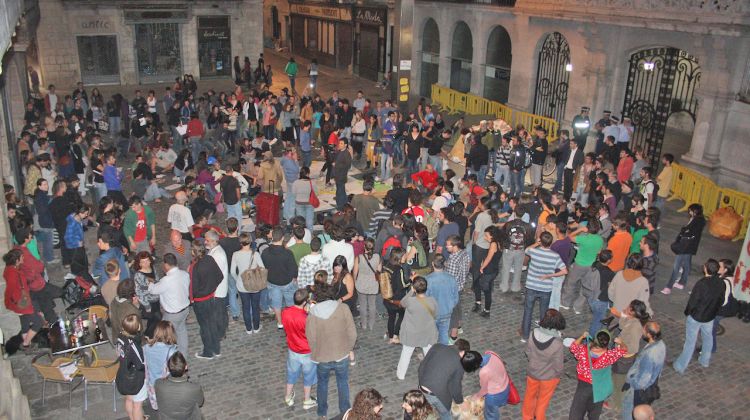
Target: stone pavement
247, 382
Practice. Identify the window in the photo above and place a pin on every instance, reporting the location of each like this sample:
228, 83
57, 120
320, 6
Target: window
319, 36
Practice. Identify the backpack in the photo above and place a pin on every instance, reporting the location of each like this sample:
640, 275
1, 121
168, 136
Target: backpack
527, 160
131, 374
384, 279
656, 188
389, 243
517, 237
421, 257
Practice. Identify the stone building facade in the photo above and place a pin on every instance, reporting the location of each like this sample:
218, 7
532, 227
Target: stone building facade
138, 41
678, 68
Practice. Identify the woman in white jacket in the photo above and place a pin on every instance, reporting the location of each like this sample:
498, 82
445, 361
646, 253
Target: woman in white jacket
243, 260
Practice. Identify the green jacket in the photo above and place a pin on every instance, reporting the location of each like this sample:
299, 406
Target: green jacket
131, 219
291, 69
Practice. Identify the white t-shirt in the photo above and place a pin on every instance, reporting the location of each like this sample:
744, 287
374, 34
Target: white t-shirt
180, 218
306, 239
441, 201
218, 254
333, 249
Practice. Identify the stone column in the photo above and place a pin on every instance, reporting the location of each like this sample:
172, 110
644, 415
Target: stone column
479, 38
708, 135
446, 41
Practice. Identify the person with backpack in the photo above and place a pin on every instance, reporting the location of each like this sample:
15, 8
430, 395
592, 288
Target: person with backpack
517, 164
649, 189
131, 374
391, 235
594, 369
518, 236
394, 284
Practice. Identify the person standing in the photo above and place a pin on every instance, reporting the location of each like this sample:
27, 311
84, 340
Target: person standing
139, 226
179, 216
538, 155
419, 328
516, 163
645, 372
174, 296
282, 273
366, 204
231, 194
545, 353
331, 334
215, 251
341, 169
299, 360
443, 288
458, 266
291, 169
581, 271
581, 126
205, 277
291, 71
704, 303
544, 264
481, 245
74, 241
366, 284
684, 247
176, 396
441, 373
519, 235
488, 270
572, 163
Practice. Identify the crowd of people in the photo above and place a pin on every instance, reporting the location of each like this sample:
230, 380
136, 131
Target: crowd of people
589, 246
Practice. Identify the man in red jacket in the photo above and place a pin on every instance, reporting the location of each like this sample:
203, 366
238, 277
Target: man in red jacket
294, 319
195, 132
42, 293
428, 178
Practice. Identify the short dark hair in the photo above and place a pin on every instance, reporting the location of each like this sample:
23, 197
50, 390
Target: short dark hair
176, 365
438, 262
368, 185
471, 361
712, 267
170, 259
315, 244
420, 284
298, 232
126, 289
462, 345
546, 239
448, 213
553, 320
455, 240
300, 296
605, 256
134, 199
635, 262
232, 225
277, 234
668, 157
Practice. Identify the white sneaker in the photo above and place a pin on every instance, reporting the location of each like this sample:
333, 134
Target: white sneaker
290, 399
260, 327
279, 327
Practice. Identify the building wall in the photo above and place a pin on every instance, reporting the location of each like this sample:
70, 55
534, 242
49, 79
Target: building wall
62, 21
602, 36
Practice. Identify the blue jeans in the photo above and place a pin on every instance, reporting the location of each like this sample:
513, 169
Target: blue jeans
600, 310
435, 402
493, 402
288, 209
554, 299
341, 198
412, 167
692, 327
443, 324
297, 363
559, 178
528, 308
341, 369
306, 211
234, 210
250, 310
680, 261
398, 152
176, 140
265, 300
306, 158
232, 302
385, 172
502, 176
114, 127
155, 192
516, 183
481, 174
208, 315
282, 296
195, 147
291, 82
46, 248
437, 163
714, 330
100, 189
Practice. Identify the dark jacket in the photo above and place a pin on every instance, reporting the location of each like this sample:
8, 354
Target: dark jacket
342, 165
478, 156
690, 234
517, 159
441, 373
205, 276
706, 299
179, 399
282, 268
538, 157
41, 205
577, 159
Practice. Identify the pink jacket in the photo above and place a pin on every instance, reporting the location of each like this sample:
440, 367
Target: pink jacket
493, 378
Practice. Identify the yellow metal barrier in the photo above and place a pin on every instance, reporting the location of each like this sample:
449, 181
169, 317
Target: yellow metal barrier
454, 102
693, 187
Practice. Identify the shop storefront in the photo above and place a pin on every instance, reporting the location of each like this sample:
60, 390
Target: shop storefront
158, 51
324, 33
96, 41
369, 41
214, 46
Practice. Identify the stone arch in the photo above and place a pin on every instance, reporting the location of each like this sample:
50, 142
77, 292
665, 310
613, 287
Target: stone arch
462, 52
498, 64
429, 56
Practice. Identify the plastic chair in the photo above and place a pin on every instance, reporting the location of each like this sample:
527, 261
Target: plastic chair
101, 372
52, 373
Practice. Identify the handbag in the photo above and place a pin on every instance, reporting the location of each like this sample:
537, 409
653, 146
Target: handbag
254, 279
314, 201
514, 397
648, 395
601, 380
25, 300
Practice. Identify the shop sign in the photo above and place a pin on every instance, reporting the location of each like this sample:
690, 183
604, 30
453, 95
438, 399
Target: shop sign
211, 34
371, 16
333, 13
96, 25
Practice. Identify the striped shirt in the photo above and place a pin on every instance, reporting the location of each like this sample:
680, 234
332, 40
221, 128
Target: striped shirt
543, 261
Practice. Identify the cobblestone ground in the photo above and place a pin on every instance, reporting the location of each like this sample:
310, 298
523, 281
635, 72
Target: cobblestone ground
247, 382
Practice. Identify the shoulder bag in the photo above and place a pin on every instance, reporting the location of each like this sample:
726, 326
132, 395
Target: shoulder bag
424, 305
254, 279
514, 397
314, 201
25, 300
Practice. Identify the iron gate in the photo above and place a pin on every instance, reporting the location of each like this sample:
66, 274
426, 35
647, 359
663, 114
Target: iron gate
661, 81
552, 77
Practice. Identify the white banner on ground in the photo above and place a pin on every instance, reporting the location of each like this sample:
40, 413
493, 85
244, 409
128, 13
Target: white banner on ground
742, 272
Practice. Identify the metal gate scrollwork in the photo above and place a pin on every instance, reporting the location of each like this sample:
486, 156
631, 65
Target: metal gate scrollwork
661, 82
552, 77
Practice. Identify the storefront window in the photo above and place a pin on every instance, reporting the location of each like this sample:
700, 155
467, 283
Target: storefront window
214, 46
98, 58
158, 51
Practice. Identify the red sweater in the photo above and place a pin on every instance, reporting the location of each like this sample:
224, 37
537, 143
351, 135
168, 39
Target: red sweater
32, 269
624, 168
294, 320
195, 128
608, 358
15, 281
428, 178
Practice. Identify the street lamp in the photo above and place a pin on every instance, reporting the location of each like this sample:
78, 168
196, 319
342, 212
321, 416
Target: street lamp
568, 67
648, 65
